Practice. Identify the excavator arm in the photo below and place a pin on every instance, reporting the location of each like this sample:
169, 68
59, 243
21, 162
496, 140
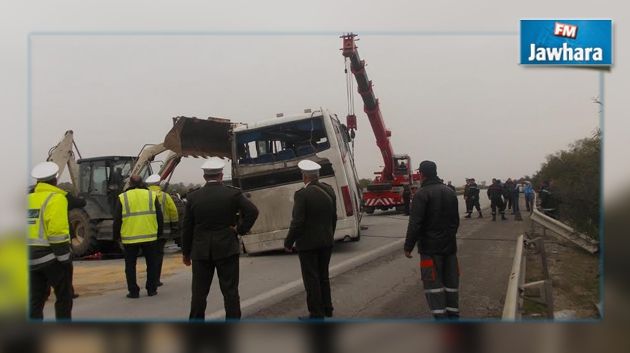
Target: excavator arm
146, 156
63, 155
371, 104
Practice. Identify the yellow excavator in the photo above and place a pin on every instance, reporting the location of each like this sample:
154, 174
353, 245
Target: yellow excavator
99, 180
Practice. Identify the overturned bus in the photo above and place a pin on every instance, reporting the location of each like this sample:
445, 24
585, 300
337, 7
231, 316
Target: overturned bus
264, 166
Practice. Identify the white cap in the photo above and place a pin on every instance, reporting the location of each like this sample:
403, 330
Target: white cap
45, 171
153, 179
309, 167
213, 166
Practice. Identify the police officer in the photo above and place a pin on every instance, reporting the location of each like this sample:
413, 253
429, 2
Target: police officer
473, 198
467, 198
49, 243
210, 238
138, 223
495, 194
433, 226
171, 219
313, 225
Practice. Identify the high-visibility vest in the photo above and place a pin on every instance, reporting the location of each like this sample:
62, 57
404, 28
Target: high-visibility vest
139, 221
48, 224
169, 210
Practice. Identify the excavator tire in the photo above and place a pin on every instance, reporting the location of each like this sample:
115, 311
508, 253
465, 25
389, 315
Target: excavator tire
82, 233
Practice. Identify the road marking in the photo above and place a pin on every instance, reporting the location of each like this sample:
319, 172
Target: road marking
252, 305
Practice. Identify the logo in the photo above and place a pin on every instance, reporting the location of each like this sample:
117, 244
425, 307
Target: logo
566, 42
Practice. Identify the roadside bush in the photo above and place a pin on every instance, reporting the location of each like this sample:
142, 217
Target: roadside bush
576, 182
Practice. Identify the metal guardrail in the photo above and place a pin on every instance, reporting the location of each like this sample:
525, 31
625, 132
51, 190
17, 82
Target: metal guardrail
513, 300
563, 230
515, 294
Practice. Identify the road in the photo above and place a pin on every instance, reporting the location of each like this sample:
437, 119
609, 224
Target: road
371, 279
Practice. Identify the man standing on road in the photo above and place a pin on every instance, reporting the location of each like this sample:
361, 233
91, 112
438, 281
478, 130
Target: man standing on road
210, 239
528, 190
138, 224
49, 244
171, 219
548, 201
312, 228
433, 226
495, 194
473, 199
451, 186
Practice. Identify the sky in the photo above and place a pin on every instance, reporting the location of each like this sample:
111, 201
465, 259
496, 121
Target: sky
446, 74
478, 115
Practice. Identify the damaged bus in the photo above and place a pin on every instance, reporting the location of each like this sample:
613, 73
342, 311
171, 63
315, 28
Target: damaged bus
264, 158
264, 166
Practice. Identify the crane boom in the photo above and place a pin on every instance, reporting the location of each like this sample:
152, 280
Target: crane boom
371, 104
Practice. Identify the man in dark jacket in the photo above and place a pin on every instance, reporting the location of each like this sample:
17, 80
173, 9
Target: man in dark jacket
548, 201
433, 226
495, 194
312, 228
508, 193
210, 239
473, 199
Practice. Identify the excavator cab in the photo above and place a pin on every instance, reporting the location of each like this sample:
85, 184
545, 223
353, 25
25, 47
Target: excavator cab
100, 181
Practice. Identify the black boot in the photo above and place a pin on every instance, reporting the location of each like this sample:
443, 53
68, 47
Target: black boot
467, 216
480, 215
503, 217
494, 217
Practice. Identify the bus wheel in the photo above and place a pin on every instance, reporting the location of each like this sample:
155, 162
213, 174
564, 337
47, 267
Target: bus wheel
369, 210
358, 237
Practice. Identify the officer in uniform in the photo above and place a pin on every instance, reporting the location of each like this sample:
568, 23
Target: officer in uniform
210, 238
171, 219
313, 225
548, 201
473, 198
433, 226
495, 194
49, 243
138, 223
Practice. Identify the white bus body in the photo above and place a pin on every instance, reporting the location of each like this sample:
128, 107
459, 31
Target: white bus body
264, 166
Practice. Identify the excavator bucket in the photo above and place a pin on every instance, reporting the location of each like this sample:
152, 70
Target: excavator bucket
193, 137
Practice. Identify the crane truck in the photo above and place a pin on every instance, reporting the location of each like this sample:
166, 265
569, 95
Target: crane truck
387, 188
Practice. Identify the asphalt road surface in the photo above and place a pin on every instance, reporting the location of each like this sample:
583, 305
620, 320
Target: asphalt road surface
371, 279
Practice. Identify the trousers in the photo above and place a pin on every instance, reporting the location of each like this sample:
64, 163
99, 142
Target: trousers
440, 279
59, 277
314, 265
202, 274
132, 251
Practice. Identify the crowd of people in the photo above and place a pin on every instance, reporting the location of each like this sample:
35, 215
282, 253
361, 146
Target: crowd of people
506, 196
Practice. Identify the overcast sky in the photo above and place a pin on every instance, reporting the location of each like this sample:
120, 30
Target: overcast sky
460, 100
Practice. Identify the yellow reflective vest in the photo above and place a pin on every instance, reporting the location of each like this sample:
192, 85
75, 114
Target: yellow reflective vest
139, 220
169, 210
48, 228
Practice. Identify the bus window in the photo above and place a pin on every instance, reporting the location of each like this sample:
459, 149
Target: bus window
282, 141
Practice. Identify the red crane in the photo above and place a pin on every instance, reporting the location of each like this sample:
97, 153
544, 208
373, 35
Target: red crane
386, 191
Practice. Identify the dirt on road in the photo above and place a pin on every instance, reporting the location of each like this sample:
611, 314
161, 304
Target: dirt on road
99, 276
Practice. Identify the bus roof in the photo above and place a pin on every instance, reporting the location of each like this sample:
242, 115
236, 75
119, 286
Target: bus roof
279, 120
